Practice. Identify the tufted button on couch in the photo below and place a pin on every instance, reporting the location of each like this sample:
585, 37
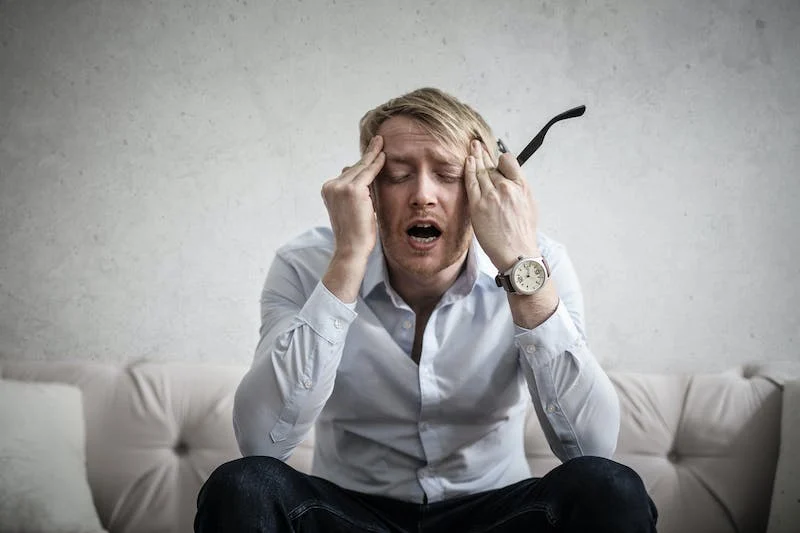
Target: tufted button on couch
708, 446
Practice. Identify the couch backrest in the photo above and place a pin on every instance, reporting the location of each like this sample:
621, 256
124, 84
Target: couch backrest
705, 445
155, 432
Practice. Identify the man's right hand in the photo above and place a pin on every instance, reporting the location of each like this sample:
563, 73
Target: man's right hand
350, 209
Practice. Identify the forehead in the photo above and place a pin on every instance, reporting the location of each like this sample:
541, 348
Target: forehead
405, 139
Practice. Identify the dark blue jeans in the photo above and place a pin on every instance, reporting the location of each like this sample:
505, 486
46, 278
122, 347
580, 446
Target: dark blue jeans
586, 494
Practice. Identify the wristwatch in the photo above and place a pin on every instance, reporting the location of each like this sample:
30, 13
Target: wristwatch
528, 275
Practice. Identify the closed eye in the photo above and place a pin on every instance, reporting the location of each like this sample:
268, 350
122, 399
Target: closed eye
396, 178
450, 178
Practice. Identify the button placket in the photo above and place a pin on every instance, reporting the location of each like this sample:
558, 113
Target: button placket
403, 332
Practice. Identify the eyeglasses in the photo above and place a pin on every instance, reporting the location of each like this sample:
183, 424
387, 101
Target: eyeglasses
537, 141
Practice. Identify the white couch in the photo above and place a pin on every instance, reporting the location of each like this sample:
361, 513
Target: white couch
706, 445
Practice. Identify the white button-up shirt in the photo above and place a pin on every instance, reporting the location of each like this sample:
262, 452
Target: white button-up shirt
449, 426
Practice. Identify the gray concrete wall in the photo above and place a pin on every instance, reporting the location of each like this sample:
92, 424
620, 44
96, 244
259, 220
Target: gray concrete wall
154, 154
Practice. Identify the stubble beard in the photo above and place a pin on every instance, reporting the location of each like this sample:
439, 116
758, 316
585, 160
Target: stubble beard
394, 242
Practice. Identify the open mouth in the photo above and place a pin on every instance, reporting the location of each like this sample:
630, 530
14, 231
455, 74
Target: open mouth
424, 233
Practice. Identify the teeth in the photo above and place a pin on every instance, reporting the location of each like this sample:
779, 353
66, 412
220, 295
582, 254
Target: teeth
424, 239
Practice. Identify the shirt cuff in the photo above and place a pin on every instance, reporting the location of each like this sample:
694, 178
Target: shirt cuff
549, 339
327, 315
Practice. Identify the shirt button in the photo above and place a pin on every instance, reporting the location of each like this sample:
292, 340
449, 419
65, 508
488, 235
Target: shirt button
337, 323
530, 348
307, 383
406, 324
551, 408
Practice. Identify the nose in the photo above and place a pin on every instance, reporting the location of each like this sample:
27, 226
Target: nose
424, 190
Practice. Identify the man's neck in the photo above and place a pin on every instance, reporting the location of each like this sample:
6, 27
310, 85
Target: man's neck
422, 293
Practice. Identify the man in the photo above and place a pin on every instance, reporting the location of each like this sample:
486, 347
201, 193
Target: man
412, 335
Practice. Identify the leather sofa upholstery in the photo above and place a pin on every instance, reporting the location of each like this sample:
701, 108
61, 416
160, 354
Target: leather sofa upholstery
706, 445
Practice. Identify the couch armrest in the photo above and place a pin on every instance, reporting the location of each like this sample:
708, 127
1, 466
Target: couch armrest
785, 511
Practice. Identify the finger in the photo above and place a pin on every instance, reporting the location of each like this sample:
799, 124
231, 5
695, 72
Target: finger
481, 173
373, 149
368, 173
494, 175
509, 167
471, 180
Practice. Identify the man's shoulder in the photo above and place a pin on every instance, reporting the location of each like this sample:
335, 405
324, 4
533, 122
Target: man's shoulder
315, 243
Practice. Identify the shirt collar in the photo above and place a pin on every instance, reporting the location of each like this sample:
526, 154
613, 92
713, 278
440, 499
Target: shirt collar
477, 263
376, 270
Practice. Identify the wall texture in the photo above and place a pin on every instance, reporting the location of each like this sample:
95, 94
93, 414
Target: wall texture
153, 155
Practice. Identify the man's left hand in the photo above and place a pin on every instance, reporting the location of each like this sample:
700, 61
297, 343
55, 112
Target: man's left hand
502, 207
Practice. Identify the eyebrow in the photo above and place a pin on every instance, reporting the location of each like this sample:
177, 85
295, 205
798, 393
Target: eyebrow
438, 160
441, 167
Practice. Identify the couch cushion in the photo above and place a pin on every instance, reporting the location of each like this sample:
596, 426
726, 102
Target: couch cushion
155, 432
43, 481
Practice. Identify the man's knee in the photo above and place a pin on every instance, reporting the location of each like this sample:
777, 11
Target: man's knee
606, 479
247, 494
600, 475
260, 474
604, 490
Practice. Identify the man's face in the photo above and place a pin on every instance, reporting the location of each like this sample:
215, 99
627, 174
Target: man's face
420, 200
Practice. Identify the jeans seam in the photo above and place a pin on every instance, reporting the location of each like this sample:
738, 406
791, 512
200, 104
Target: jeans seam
551, 519
300, 510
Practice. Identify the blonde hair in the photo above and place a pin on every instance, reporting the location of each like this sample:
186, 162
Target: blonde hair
446, 118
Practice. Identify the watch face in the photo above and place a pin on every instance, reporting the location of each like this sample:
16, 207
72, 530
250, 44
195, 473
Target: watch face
528, 277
